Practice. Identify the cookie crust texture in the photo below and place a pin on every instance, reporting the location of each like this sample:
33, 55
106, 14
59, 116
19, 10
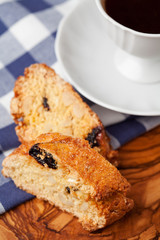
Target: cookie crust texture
43, 103
106, 188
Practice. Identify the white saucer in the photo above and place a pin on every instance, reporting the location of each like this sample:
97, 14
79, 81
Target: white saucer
87, 56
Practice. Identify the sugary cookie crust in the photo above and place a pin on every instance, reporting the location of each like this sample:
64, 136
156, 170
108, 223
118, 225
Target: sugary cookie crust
43, 102
101, 188
88, 163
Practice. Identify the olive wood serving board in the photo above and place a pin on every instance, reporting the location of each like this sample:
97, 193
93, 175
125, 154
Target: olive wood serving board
140, 164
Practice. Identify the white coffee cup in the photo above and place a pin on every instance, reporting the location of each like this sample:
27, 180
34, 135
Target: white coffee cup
138, 54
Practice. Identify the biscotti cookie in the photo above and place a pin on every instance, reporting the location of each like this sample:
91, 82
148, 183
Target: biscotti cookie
44, 103
68, 173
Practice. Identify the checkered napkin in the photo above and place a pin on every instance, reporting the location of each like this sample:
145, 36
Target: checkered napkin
28, 31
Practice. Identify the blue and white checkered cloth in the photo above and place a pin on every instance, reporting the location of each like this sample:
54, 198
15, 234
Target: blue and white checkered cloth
28, 31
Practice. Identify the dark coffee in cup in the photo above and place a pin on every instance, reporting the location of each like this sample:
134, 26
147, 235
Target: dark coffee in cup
140, 15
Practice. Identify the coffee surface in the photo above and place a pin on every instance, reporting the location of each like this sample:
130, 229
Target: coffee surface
140, 15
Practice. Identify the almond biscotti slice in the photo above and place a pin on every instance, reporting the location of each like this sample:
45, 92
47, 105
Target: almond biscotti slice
68, 173
44, 103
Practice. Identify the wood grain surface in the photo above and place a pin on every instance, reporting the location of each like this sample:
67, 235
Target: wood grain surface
140, 164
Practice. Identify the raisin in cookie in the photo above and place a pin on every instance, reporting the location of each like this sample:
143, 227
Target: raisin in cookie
44, 103
67, 172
